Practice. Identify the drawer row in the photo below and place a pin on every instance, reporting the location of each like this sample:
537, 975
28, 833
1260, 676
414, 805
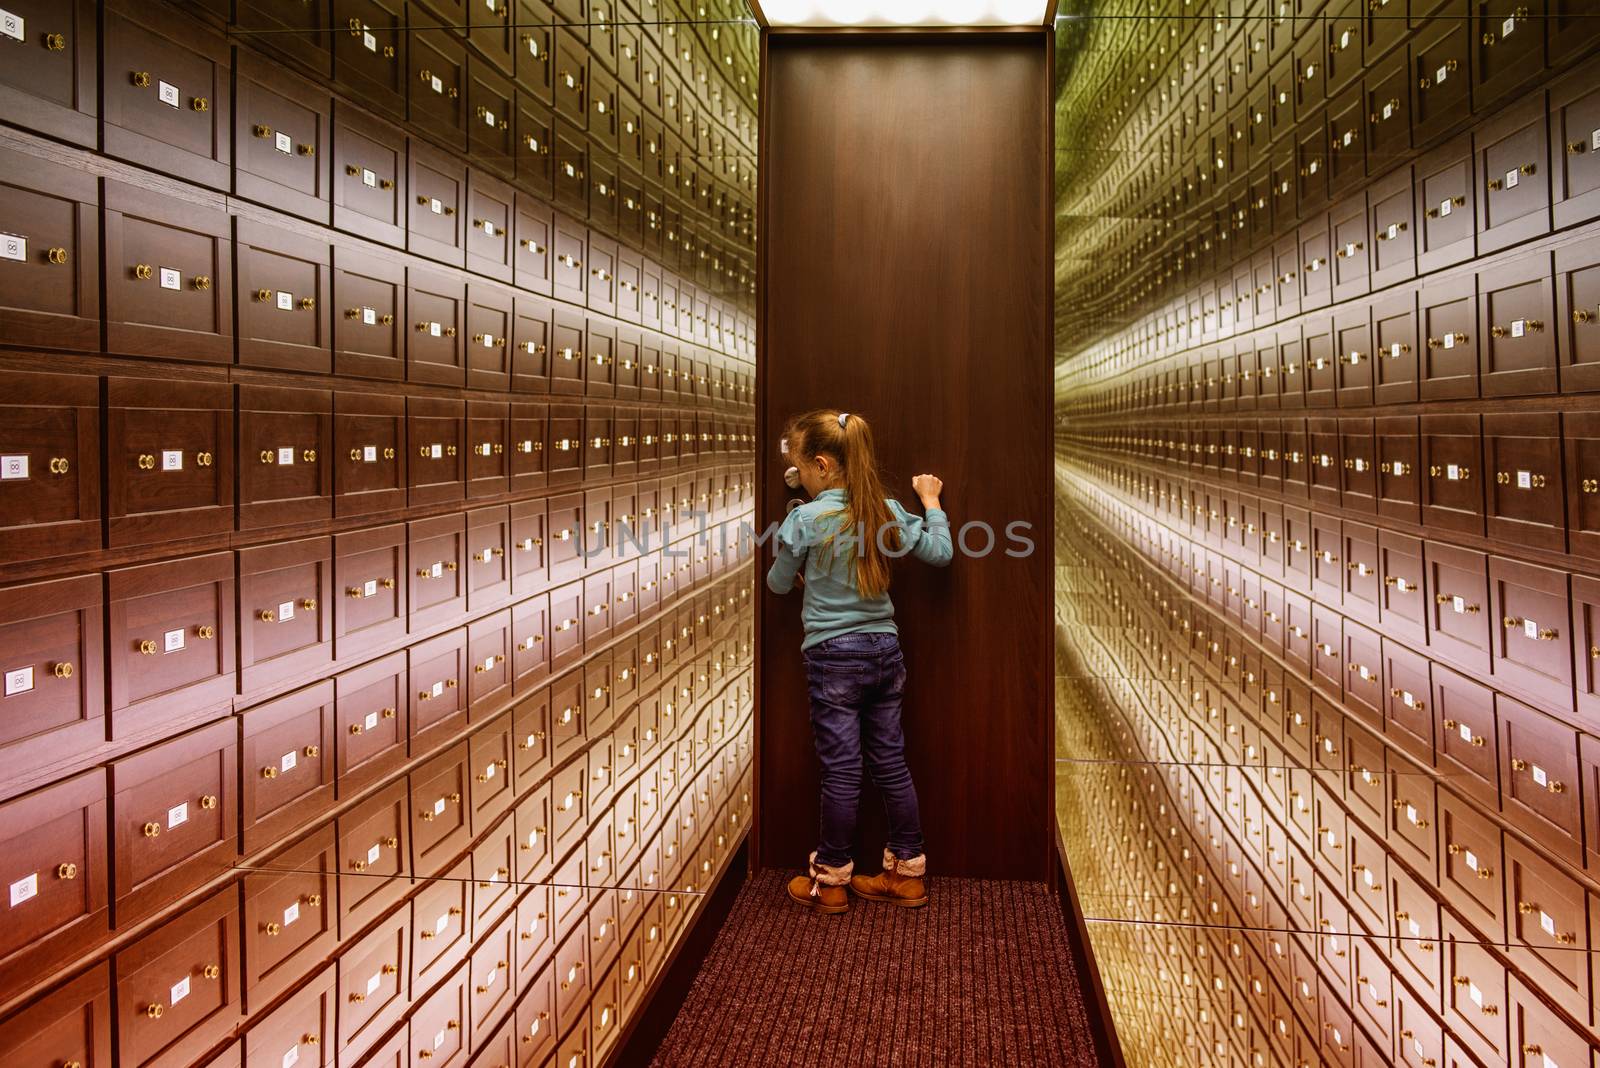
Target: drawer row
198, 281
560, 940
1528, 479
131, 655
1338, 826
1519, 326
180, 99
1317, 590
185, 459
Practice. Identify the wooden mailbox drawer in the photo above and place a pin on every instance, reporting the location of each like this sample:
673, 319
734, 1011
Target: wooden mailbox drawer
170, 460
49, 465
179, 986
287, 761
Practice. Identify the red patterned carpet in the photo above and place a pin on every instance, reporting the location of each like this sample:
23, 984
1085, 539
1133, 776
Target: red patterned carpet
982, 976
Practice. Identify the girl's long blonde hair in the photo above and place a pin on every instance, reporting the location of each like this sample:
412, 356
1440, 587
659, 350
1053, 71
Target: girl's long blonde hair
848, 441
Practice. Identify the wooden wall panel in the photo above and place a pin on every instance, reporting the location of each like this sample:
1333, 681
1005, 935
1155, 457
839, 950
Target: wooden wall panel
909, 284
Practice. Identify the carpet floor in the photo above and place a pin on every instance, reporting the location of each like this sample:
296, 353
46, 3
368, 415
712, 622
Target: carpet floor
982, 976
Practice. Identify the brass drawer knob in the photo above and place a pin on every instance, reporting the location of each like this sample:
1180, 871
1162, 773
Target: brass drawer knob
201, 282
200, 103
61, 670
57, 256
312, 751
67, 871
152, 830
208, 802
147, 648
205, 631
268, 615
269, 772
272, 930
140, 78
155, 1012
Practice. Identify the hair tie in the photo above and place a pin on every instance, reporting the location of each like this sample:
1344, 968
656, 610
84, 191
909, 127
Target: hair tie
842, 417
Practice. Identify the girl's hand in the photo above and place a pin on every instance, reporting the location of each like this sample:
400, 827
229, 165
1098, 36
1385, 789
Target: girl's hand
927, 489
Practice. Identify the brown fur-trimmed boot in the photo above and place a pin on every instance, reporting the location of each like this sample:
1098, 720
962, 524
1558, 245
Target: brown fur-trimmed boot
900, 882
823, 889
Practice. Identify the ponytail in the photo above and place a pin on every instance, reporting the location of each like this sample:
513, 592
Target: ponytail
848, 439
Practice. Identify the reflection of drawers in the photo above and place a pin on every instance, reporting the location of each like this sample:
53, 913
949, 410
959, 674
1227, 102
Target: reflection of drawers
301, 1030
493, 861
440, 925
286, 758
54, 849
1474, 993
54, 699
178, 987
492, 979
71, 1024
290, 915
374, 856
373, 984
535, 1019
440, 824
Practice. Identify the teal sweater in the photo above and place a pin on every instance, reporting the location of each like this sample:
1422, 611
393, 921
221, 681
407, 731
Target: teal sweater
833, 606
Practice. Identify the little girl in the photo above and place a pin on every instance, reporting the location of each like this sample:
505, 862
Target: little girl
838, 545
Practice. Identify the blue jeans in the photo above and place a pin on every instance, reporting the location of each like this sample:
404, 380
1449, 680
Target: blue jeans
856, 682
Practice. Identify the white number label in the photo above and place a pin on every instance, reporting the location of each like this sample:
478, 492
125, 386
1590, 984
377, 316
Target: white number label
285, 611
13, 26
371, 722
1472, 860
177, 815
370, 588
172, 460
13, 467
13, 247
1411, 813
1594, 140
488, 117
283, 142
438, 806
434, 329
1458, 605
180, 990
433, 202
24, 889
489, 228
169, 94
1511, 179
443, 921
438, 1039
286, 456
289, 761
1446, 206
1474, 993
1453, 472
1388, 112
291, 1058
369, 178
436, 84
1539, 775
18, 681
285, 301
375, 981
435, 451
435, 571
1441, 74
171, 278
489, 771
1524, 480
1519, 327
1465, 732
368, 41
291, 914
1449, 341
373, 854
172, 641
1530, 628
369, 454
1508, 26
369, 317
